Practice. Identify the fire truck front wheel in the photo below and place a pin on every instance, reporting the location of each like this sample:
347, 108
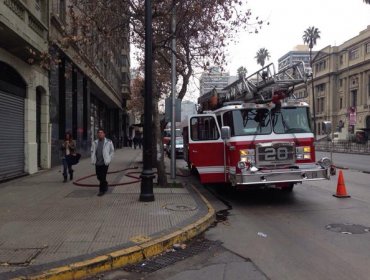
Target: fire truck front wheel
288, 188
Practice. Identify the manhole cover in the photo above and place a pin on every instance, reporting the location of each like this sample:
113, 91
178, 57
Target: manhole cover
180, 207
348, 228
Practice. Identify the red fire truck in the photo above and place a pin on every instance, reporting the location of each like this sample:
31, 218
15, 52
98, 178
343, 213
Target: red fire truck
255, 132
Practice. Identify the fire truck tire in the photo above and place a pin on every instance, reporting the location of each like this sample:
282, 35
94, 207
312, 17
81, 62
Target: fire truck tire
289, 188
194, 170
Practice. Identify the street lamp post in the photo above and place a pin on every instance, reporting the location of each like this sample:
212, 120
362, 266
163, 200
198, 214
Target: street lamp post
350, 130
147, 175
313, 102
173, 94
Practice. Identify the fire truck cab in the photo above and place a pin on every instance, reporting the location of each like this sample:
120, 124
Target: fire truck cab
254, 143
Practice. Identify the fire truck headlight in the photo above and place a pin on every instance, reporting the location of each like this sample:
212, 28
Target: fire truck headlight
307, 156
325, 162
247, 155
303, 152
241, 165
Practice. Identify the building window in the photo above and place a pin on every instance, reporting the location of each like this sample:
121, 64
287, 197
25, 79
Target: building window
354, 98
62, 10
37, 5
320, 105
341, 103
367, 47
341, 60
354, 80
320, 88
320, 66
340, 82
353, 54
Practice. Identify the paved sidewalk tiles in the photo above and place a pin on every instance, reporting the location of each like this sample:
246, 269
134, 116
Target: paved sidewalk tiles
55, 230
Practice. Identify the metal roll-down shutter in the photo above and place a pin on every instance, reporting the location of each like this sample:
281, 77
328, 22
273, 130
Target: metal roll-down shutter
11, 135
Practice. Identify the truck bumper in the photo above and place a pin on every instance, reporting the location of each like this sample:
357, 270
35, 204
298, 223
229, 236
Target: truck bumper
268, 177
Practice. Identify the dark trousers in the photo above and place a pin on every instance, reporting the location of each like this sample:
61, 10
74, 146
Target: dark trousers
66, 168
101, 174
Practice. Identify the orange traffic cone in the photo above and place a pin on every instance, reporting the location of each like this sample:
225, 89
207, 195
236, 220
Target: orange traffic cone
341, 187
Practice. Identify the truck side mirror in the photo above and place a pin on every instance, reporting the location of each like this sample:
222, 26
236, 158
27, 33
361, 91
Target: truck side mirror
326, 127
225, 132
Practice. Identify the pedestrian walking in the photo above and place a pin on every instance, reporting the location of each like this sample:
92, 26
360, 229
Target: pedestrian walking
130, 141
135, 140
102, 151
68, 147
140, 140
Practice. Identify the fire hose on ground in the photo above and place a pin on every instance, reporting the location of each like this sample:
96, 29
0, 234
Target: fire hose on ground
128, 174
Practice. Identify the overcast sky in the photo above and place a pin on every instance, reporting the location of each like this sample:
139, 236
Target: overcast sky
338, 21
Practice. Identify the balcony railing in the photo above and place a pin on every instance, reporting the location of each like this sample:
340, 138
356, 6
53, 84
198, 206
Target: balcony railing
125, 90
17, 7
21, 10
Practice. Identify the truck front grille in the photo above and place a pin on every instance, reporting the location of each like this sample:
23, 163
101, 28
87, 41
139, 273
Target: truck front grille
274, 154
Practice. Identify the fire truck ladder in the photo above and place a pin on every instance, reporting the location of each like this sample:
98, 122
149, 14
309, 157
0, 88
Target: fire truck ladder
261, 86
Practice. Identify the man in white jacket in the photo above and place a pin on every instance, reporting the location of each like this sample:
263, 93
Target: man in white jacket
102, 151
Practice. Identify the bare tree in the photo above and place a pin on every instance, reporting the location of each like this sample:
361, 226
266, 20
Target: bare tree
203, 31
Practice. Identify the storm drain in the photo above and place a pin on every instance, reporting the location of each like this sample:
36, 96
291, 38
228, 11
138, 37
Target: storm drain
180, 207
18, 257
193, 248
348, 228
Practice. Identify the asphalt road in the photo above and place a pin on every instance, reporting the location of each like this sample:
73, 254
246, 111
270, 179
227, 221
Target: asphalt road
269, 234
286, 235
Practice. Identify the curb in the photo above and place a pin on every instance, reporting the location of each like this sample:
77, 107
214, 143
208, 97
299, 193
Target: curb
130, 255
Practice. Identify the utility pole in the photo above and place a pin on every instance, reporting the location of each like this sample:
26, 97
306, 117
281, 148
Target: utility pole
147, 175
313, 98
173, 93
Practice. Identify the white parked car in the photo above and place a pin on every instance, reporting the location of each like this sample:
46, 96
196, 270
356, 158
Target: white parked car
179, 149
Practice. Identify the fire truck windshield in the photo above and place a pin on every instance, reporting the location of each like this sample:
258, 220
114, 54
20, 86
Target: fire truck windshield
248, 121
263, 121
290, 120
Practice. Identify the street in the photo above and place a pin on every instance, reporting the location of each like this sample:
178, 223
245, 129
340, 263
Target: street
358, 162
93, 95
286, 236
268, 234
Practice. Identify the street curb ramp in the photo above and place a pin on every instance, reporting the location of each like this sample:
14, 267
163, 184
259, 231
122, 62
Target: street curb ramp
130, 255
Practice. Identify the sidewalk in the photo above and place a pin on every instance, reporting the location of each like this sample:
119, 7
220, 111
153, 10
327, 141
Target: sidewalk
53, 229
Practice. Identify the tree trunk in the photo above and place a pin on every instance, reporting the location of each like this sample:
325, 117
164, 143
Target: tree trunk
185, 82
158, 151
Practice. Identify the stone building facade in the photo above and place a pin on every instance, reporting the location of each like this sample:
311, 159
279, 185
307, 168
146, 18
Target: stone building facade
88, 87
213, 79
83, 91
24, 88
341, 79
